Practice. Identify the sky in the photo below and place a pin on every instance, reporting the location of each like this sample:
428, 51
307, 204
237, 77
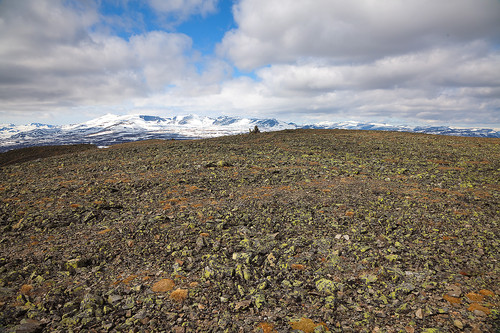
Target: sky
413, 62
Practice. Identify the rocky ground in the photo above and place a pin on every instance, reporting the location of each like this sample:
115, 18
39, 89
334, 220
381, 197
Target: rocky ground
292, 231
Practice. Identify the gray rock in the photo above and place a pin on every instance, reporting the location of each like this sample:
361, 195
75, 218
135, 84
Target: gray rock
113, 299
29, 326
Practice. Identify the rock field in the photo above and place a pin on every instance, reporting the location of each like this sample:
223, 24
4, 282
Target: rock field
291, 231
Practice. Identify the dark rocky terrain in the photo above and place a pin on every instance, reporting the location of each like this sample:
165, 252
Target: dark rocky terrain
305, 230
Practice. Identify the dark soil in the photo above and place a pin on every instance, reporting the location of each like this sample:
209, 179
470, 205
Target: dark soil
33, 153
305, 230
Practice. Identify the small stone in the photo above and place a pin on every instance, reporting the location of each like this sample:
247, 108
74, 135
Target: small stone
107, 326
200, 242
479, 313
72, 264
409, 329
476, 329
369, 278
320, 329
39, 279
271, 259
242, 305
223, 163
454, 291
419, 314
458, 324
112, 299
140, 315
29, 326
178, 329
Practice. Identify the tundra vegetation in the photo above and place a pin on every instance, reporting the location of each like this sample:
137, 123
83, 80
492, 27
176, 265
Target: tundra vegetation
303, 231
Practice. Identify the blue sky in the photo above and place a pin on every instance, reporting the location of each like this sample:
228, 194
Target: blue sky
412, 62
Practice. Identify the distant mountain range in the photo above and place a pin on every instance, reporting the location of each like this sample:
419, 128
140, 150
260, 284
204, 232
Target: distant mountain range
112, 129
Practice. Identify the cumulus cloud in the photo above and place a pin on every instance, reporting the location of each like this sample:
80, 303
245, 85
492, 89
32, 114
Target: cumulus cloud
354, 31
50, 56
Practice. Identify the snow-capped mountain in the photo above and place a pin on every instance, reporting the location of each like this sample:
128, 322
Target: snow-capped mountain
112, 129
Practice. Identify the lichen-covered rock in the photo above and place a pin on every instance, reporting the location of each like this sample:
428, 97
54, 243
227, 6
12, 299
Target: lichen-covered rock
326, 286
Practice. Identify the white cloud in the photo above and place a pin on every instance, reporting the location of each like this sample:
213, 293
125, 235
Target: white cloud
51, 57
434, 69
456, 85
271, 31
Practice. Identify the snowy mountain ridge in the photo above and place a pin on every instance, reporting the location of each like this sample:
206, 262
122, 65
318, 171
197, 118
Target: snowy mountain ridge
111, 129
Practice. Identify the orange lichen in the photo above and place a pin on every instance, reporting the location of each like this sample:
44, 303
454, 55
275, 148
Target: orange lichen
487, 292
479, 307
266, 327
26, 289
163, 286
475, 297
129, 279
179, 295
451, 299
307, 325
298, 267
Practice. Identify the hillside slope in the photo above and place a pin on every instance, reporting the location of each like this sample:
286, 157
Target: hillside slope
346, 231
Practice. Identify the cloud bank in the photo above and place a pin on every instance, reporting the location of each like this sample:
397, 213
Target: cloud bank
414, 61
